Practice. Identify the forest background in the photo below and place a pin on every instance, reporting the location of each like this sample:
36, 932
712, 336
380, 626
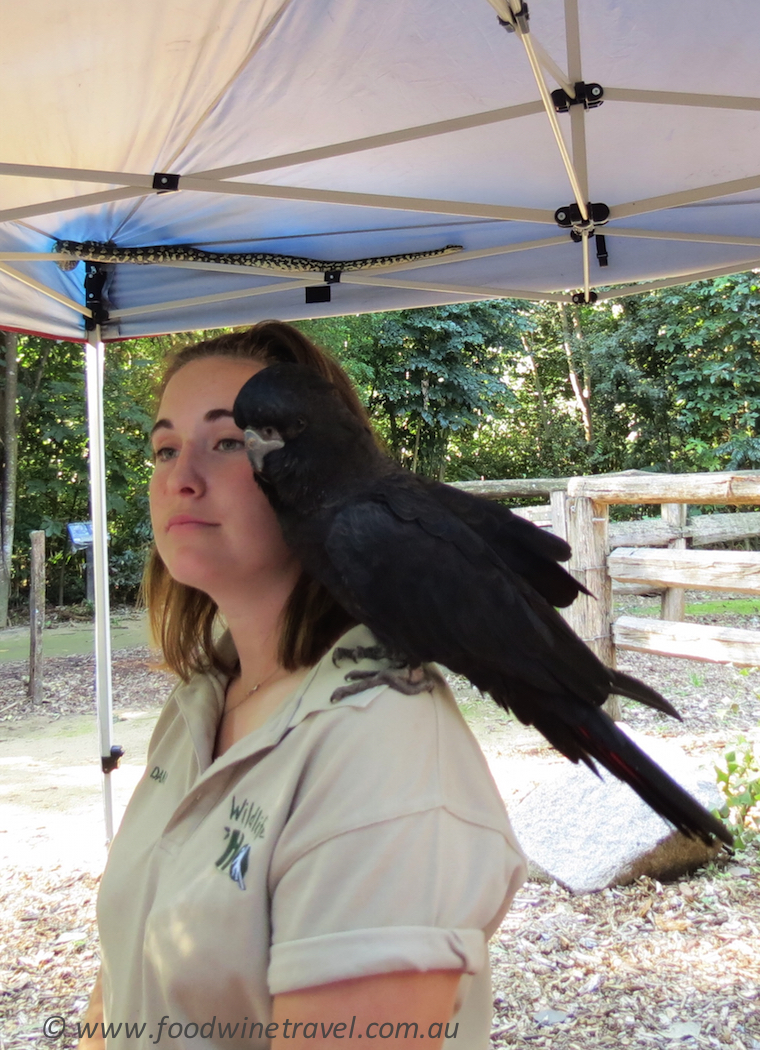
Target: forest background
667, 381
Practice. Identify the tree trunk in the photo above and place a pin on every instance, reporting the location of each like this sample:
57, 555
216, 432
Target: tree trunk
416, 456
10, 469
442, 446
543, 413
36, 614
582, 392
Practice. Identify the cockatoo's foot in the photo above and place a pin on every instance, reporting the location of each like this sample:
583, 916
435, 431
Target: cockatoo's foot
367, 652
413, 680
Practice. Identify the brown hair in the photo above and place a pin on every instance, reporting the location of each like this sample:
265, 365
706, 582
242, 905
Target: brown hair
183, 619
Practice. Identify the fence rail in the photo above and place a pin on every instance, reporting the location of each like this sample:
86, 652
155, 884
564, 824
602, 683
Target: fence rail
650, 554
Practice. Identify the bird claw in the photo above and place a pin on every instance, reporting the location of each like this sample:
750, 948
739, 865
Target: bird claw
366, 652
416, 680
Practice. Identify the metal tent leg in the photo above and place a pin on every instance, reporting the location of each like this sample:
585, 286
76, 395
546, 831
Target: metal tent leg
94, 354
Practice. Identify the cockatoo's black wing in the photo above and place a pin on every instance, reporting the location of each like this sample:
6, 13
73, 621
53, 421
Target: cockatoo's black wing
431, 588
531, 552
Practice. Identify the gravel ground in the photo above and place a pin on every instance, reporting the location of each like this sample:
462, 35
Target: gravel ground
647, 965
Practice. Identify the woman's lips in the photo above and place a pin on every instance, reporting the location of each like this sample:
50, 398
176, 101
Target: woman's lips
185, 520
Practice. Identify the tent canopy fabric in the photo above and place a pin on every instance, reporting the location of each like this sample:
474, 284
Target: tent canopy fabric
347, 130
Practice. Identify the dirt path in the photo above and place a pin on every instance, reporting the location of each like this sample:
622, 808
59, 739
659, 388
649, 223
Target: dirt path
641, 966
51, 809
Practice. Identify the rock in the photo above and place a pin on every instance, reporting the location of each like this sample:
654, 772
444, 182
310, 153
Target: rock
682, 1030
547, 1017
738, 870
589, 833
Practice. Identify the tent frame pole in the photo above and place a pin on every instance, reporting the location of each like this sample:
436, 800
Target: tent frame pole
94, 362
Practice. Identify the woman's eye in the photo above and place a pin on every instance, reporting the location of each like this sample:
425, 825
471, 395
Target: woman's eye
161, 455
229, 444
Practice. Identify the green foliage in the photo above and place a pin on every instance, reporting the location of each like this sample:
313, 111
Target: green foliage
672, 381
666, 381
739, 780
53, 459
676, 377
426, 375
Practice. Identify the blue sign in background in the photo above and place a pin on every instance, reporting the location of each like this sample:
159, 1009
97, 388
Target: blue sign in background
80, 534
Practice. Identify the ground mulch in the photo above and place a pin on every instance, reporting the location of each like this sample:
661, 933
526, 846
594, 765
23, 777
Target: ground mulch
48, 955
645, 965
69, 685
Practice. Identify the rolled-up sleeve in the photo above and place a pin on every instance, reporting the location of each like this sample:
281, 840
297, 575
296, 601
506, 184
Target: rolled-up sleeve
420, 885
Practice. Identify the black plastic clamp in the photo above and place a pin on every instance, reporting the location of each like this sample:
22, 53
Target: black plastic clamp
165, 182
318, 293
332, 277
570, 216
110, 762
95, 277
520, 17
587, 95
579, 298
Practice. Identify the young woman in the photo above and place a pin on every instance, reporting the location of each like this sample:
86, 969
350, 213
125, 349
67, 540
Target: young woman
291, 872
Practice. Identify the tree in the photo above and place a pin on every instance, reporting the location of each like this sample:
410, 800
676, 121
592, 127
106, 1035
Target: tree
669, 380
427, 374
9, 469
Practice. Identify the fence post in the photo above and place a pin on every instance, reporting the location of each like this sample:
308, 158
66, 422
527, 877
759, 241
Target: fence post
591, 618
673, 605
558, 502
36, 615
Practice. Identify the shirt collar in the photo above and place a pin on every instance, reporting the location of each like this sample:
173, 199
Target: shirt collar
201, 701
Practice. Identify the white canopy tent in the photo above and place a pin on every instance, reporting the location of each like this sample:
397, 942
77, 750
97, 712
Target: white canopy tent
309, 139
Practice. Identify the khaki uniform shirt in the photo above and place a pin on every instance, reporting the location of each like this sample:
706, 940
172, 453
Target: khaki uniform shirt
336, 841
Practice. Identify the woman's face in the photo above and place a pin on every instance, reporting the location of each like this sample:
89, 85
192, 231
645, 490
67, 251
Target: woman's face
213, 526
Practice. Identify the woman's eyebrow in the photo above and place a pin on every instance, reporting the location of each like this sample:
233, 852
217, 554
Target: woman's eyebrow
159, 424
212, 415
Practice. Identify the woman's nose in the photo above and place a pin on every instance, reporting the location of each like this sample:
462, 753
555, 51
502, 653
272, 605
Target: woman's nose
187, 474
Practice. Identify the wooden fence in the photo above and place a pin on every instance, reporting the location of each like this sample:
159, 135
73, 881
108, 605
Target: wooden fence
650, 554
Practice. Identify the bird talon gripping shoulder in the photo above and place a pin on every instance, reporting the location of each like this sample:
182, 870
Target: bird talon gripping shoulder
415, 681
342, 653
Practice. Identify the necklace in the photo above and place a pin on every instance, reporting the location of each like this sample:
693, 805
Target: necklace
250, 693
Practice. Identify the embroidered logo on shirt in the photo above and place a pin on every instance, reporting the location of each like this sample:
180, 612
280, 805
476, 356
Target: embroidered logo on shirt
239, 866
234, 858
250, 816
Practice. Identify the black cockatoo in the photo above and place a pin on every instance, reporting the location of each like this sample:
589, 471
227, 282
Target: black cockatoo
441, 576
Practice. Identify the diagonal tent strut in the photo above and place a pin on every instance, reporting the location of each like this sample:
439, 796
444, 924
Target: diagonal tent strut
143, 185
38, 286
678, 199
457, 289
513, 14
87, 200
390, 138
683, 278
696, 238
682, 98
218, 297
